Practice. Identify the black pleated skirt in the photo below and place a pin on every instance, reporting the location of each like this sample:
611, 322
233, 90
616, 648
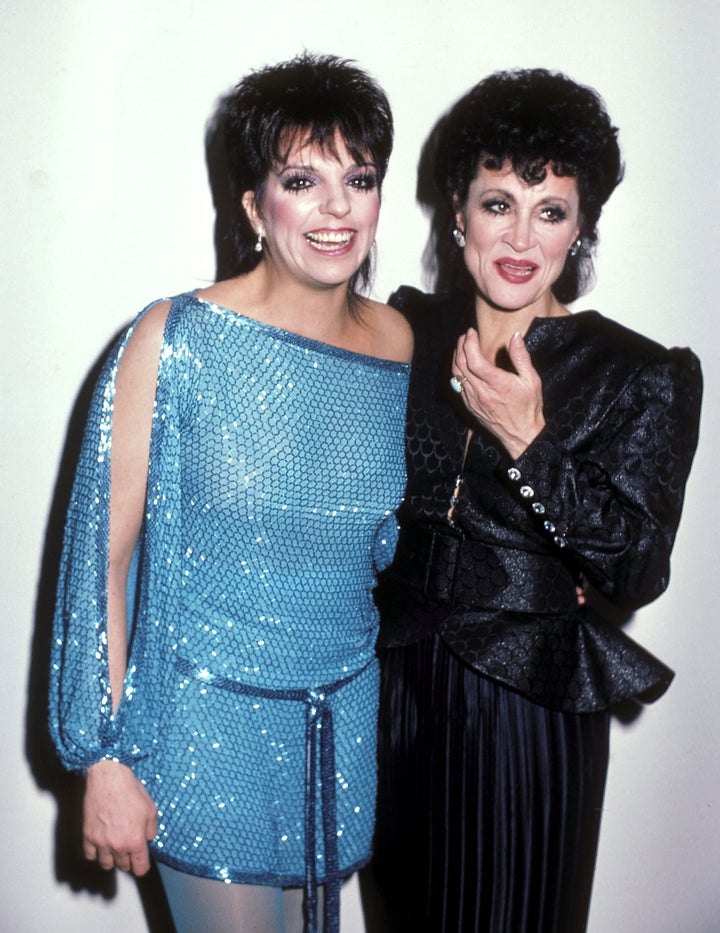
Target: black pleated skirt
489, 805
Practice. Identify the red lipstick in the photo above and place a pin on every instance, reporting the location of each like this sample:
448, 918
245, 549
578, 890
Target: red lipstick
516, 271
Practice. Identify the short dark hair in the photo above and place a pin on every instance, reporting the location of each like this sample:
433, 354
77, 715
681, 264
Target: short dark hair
311, 97
532, 119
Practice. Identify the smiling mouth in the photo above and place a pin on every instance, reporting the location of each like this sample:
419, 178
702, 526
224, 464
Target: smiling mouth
330, 240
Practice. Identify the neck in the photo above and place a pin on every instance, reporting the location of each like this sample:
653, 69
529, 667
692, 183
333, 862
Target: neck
497, 325
319, 313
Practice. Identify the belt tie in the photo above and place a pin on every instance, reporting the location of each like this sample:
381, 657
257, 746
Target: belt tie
319, 736
319, 743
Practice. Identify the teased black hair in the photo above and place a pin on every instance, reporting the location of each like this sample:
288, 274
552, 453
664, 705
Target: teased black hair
312, 96
530, 118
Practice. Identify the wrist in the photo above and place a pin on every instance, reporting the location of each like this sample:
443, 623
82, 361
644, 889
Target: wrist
517, 445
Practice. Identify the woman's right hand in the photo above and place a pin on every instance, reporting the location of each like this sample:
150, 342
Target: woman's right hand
509, 404
119, 818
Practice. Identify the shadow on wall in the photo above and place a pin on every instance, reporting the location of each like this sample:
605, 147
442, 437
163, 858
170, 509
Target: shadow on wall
71, 867
222, 195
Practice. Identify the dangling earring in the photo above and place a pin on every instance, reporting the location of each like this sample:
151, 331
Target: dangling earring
459, 237
258, 246
575, 248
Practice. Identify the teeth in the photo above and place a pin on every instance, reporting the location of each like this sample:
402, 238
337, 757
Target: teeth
330, 237
519, 270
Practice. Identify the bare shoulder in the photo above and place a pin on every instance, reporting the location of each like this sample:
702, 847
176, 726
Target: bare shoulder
223, 293
391, 332
143, 350
242, 293
152, 323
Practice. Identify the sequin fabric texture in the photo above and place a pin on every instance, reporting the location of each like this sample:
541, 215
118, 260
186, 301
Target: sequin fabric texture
596, 496
276, 464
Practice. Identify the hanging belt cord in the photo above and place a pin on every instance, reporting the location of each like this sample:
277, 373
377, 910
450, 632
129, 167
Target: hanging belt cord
319, 734
318, 737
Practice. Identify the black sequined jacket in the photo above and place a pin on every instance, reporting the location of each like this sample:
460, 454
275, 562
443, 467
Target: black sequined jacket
596, 498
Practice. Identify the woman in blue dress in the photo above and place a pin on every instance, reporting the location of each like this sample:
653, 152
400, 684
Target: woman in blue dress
213, 669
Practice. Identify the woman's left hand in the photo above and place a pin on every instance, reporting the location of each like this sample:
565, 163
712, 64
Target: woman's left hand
510, 405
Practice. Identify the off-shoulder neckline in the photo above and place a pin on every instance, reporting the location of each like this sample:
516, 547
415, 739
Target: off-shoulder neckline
309, 343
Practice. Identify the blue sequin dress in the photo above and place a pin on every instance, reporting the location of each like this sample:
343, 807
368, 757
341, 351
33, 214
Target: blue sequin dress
250, 701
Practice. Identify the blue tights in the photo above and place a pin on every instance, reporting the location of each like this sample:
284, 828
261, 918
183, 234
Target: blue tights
204, 905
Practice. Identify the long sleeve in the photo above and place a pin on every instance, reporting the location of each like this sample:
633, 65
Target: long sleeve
81, 719
598, 494
612, 500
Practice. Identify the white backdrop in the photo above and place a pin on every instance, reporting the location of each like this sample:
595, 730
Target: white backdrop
106, 205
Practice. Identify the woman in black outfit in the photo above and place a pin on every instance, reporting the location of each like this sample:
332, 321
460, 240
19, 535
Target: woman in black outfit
546, 450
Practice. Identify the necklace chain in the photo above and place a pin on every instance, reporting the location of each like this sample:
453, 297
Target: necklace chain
458, 481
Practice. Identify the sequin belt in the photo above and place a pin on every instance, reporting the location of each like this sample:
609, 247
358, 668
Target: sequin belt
449, 568
318, 737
